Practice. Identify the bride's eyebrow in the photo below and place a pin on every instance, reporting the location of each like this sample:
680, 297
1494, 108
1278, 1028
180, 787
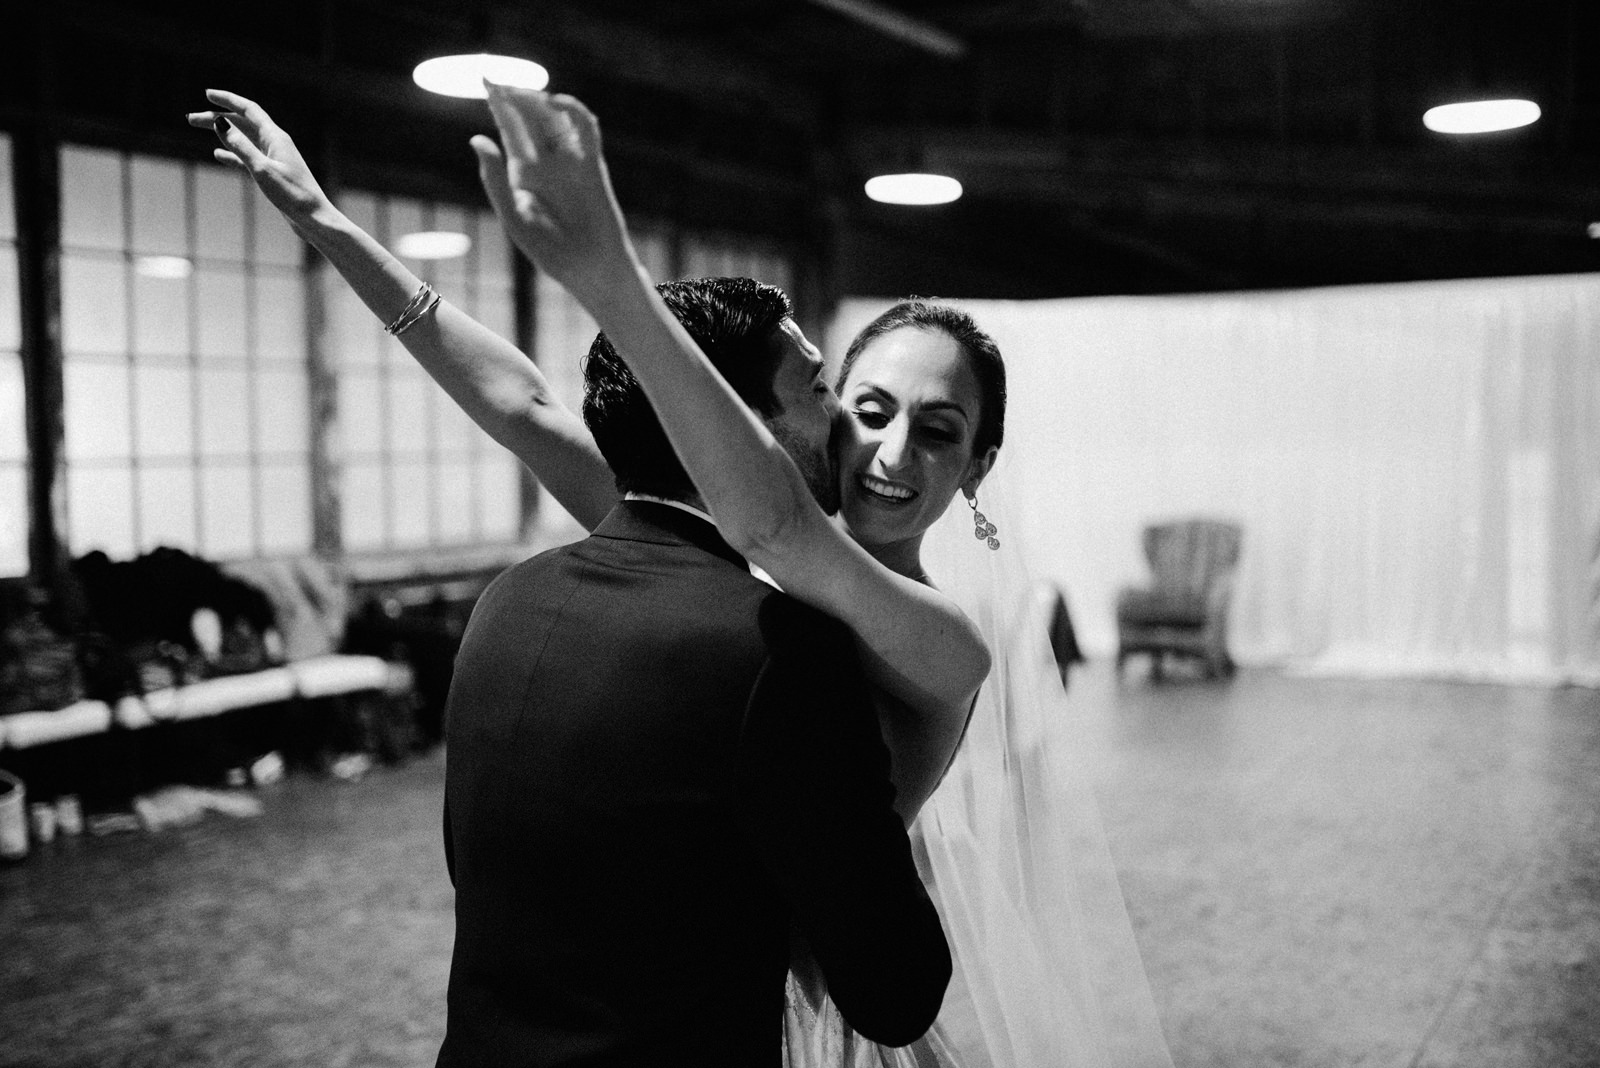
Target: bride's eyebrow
944, 406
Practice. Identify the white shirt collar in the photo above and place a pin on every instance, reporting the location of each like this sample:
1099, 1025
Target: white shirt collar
692, 510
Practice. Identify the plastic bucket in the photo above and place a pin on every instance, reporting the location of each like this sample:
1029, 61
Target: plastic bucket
13, 817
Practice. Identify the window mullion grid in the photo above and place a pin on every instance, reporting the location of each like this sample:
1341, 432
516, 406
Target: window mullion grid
191, 223
252, 367
431, 465
386, 461
130, 325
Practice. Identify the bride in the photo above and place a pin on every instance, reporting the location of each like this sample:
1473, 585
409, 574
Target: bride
1046, 969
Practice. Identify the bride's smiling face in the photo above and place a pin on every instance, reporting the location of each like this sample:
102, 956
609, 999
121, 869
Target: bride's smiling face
913, 405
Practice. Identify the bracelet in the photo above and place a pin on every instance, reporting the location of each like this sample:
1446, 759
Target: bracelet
411, 306
425, 300
432, 304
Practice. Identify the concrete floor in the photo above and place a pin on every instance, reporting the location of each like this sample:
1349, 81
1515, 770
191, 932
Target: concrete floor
1319, 872
1359, 873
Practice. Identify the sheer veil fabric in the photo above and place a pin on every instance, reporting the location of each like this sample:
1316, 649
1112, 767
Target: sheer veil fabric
1011, 847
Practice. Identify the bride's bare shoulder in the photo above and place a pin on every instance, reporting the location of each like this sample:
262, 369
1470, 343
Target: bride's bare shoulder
923, 727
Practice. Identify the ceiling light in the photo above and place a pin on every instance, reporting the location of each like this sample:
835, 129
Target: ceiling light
463, 76
913, 189
168, 267
433, 245
1480, 116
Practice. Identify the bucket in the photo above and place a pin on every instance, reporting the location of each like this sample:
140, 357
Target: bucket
13, 817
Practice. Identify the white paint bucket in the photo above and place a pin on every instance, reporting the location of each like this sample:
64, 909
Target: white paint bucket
13, 817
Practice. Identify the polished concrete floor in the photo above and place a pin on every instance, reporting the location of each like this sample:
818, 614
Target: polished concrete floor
1320, 873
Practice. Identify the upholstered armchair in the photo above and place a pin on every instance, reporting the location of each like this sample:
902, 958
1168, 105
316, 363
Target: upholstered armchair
1185, 611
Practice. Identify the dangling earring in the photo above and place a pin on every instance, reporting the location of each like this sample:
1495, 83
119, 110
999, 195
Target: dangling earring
982, 529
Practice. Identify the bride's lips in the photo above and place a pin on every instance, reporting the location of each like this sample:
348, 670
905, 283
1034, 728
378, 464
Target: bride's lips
882, 490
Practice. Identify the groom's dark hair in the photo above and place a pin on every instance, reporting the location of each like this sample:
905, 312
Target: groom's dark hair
735, 323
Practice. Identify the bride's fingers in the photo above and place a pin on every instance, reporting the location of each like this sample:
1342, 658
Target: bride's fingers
240, 105
492, 173
222, 155
231, 101
202, 120
250, 116
552, 126
580, 120
514, 128
238, 143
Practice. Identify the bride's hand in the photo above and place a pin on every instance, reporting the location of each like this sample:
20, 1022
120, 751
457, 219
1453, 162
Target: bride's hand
261, 148
548, 183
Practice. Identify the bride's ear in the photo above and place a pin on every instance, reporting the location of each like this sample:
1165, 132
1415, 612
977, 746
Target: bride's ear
978, 470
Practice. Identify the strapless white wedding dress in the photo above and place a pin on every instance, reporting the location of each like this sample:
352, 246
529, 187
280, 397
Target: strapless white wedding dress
1011, 847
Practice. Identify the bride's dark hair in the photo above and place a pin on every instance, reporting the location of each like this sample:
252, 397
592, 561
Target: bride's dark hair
734, 321
982, 354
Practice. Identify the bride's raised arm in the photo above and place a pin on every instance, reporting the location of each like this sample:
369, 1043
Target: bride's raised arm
552, 191
489, 377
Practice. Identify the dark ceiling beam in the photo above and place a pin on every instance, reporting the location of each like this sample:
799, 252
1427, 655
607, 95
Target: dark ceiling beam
1137, 18
899, 26
182, 39
1450, 182
1009, 15
1157, 199
720, 79
1213, 15
680, 160
1029, 253
1141, 245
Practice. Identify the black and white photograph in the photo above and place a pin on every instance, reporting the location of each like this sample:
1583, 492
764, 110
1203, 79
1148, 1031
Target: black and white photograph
800, 534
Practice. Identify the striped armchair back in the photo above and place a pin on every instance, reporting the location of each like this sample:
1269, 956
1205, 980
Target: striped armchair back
1188, 555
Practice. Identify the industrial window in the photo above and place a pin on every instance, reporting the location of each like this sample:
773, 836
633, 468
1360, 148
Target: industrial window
13, 412
183, 337
188, 412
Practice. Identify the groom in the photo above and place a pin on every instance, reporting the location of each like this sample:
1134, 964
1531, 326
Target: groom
658, 766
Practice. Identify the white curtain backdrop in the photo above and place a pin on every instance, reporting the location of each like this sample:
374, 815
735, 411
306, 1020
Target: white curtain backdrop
1416, 467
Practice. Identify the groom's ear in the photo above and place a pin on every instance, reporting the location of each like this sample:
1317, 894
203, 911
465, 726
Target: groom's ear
978, 469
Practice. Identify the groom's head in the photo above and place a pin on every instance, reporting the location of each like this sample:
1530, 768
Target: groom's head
747, 331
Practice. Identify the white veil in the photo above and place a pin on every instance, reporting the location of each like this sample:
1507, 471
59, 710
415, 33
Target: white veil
1012, 850
1011, 844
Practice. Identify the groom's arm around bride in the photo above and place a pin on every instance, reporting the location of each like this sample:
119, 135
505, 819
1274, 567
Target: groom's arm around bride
813, 791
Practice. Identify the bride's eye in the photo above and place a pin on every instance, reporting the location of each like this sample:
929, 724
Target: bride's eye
872, 420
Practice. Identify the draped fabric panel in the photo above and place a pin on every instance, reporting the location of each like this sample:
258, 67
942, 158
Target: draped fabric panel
1416, 466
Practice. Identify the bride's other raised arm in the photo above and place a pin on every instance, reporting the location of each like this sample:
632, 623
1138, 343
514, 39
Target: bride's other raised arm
552, 191
492, 380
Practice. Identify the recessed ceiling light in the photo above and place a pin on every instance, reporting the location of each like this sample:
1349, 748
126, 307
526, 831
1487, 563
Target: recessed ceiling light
163, 267
433, 245
462, 76
913, 189
1594, 230
1480, 116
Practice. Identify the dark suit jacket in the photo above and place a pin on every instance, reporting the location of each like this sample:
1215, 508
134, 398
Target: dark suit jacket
655, 764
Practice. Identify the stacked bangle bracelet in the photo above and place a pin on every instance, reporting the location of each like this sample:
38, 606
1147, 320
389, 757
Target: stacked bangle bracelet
425, 301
